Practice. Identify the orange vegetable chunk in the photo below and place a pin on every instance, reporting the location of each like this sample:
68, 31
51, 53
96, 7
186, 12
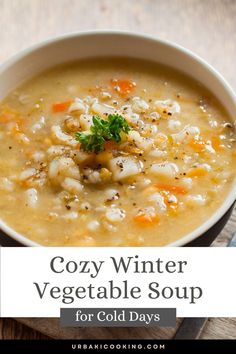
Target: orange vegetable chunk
171, 188
123, 87
146, 219
196, 172
60, 106
197, 145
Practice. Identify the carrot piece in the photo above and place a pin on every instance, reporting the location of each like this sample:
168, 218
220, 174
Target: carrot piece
196, 172
171, 188
123, 87
197, 145
216, 143
60, 106
146, 219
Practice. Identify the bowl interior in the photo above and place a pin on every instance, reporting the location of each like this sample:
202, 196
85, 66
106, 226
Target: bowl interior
99, 44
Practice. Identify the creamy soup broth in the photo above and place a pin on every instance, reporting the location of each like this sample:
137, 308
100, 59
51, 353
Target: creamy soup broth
169, 172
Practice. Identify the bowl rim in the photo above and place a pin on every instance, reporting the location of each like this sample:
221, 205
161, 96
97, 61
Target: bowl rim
231, 196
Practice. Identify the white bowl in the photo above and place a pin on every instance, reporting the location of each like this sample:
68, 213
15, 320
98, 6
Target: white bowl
118, 43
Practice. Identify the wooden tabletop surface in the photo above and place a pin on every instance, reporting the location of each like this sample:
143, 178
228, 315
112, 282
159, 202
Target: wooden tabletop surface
206, 27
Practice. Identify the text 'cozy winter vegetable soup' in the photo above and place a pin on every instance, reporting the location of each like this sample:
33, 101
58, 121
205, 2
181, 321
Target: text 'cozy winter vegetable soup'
112, 152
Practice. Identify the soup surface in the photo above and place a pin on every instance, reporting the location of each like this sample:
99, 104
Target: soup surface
112, 152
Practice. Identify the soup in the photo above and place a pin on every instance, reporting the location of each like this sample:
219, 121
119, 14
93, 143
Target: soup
112, 152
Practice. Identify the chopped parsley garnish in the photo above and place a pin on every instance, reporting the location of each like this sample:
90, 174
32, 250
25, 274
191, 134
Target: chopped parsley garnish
102, 131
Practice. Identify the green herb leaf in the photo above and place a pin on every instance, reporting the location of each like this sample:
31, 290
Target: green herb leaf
117, 124
101, 131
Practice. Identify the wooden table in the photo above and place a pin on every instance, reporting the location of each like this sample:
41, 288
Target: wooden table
206, 27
